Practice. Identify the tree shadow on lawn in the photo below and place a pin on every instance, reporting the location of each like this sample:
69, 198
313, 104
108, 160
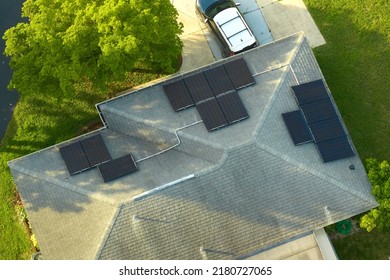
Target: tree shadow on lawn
42, 121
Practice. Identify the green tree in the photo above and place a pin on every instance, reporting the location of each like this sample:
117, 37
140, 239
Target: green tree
97, 41
379, 175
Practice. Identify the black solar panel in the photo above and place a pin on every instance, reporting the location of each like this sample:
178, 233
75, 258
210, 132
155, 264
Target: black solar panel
95, 150
117, 168
335, 149
198, 87
178, 95
239, 73
219, 80
327, 130
211, 114
232, 107
74, 158
297, 127
310, 92
319, 111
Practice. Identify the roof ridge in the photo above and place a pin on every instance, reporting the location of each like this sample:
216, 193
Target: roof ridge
276, 92
61, 184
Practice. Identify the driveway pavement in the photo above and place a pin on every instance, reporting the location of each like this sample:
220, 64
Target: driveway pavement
197, 51
269, 20
286, 17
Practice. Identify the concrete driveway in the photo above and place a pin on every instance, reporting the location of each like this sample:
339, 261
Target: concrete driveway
286, 17
269, 20
197, 51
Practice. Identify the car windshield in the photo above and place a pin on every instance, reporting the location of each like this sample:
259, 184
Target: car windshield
213, 7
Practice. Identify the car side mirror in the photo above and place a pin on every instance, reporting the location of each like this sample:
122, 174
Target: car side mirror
238, 4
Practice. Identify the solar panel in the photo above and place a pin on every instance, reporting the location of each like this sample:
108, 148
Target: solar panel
335, 149
297, 127
319, 111
74, 158
198, 87
327, 130
232, 107
310, 92
239, 73
178, 95
211, 114
95, 150
218, 79
116, 168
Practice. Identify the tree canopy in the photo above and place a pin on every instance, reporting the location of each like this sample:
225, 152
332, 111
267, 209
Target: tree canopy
99, 41
379, 175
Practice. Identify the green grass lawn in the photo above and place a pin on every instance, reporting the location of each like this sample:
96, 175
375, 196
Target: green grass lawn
356, 64
364, 245
39, 122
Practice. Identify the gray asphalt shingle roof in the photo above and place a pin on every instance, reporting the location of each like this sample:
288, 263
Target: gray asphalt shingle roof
197, 194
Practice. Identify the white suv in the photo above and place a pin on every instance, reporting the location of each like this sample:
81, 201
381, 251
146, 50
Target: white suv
227, 24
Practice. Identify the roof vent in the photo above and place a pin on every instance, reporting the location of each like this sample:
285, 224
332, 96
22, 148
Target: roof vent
352, 167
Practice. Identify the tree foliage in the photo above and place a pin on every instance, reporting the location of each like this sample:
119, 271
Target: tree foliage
99, 41
379, 175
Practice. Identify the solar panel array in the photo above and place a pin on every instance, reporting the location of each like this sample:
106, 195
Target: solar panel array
337, 148
297, 127
95, 150
239, 73
198, 87
219, 80
178, 95
211, 114
117, 168
74, 158
310, 92
327, 130
319, 111
232, 107
213, 91
90, 152
321, 118
84, 154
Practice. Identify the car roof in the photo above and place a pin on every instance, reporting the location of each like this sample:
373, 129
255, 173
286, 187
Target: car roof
234, 29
